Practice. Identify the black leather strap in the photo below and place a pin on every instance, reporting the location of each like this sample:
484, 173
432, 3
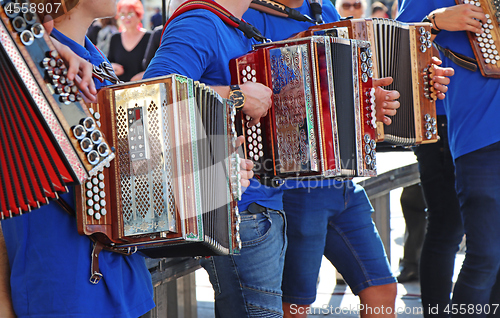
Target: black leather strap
461, 60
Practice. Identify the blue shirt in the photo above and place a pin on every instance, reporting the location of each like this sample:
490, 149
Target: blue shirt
50, 261
471, 104
278, 28
199, 45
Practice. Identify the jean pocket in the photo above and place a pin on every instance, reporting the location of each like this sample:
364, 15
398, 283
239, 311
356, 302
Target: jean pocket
254, 228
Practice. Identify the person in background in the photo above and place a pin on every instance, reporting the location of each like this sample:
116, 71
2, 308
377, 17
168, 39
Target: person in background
156, 19
128, 47
351, 8
155, 39
414, 212
379, 10
104, 36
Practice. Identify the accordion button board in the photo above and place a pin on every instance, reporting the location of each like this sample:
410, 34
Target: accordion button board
487, 43
50, 139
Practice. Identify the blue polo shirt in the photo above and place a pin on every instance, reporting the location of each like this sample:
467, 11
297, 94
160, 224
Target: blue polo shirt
278, 28
50, 261
199, 45
472, 101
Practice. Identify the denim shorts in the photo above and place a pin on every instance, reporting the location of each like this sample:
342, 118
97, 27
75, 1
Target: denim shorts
334, 221
248, 284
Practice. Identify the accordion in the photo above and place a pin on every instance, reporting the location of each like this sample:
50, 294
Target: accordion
175, 179
48, 138
485, 45
322, 121
402, 51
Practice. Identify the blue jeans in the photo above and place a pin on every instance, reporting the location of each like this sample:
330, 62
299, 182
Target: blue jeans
444, 223
334, 221
478, 189
249, 284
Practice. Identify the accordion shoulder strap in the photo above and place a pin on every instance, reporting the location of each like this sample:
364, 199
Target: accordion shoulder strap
249, 30
278, 9
459, 59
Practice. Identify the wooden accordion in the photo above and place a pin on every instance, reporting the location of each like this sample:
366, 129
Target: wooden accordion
48, 138
175, 179
402, 51
322, 122
486, 44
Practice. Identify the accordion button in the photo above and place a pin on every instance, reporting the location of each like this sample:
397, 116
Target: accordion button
103, 211
493, 62
97, 206
88, 185
89, 194
96, 197
90, 202
373, 144
90, 212
367, 138
97, 216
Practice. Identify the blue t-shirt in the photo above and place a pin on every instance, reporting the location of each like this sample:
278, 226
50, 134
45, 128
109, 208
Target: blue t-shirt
205, 57
278, 28
470, 102
50, 261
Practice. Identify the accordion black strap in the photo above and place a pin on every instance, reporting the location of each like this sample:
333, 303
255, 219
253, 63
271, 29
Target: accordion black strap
249, 30
278, 9
95, 274
459, 59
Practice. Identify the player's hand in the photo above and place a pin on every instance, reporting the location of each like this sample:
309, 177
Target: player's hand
79, 70
118, 68
257, 101
385, 101
441, 77
246, 166
462, 17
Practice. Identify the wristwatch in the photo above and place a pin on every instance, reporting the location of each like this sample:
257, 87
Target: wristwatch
236, 96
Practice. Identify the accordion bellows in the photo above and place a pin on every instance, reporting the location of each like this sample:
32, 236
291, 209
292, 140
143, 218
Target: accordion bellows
49, 139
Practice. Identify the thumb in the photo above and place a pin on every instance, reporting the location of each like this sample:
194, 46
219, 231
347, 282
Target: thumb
48, 23
382, 81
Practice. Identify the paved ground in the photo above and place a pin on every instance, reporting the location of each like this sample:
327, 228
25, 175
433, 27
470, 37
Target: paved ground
337, 300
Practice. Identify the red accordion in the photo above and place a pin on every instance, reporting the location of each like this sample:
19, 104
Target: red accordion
322, 122
49, 139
